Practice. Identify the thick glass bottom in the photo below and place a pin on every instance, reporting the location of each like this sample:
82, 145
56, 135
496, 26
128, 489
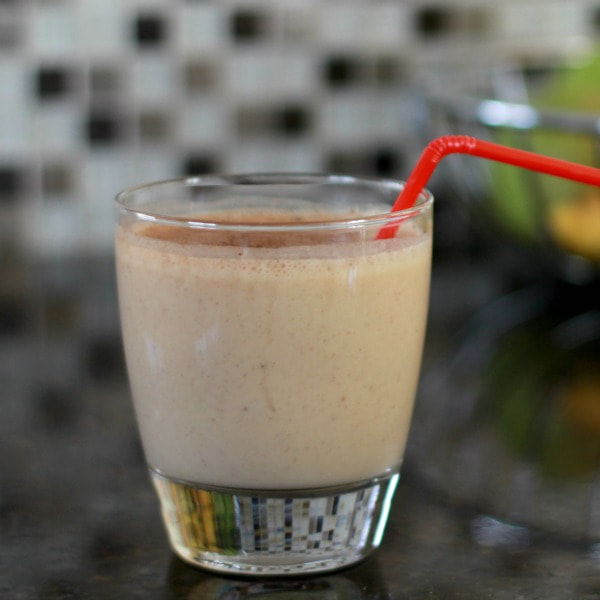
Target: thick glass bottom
258, 532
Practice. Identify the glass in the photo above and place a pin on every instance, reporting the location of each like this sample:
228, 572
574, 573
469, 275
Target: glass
273, 346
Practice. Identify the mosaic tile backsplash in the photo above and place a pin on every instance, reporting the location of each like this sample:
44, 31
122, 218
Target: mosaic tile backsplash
100, 94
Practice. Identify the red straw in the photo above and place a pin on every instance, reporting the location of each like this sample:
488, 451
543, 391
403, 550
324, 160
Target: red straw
464, 144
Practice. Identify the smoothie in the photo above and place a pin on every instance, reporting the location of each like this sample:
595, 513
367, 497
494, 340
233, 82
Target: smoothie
279, 365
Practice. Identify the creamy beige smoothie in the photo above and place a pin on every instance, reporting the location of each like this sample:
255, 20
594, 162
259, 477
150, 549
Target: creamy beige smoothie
272, 367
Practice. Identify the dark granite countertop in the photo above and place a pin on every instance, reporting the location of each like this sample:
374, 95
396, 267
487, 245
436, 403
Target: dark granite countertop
78, 516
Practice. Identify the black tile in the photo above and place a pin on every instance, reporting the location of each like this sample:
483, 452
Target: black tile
342, 71
149, 30
248, 25
199, 164
12, 180
52, 82
57, 408
105, 359
15, 317
432, 21
292, 120
102, 128
385, 162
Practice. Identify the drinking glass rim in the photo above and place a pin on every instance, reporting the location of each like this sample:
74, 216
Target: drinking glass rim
423, 204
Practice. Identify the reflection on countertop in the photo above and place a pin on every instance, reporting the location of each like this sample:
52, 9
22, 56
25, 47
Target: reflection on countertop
78, 517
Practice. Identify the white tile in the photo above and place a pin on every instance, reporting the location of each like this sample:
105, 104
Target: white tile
271, 73
362, 26
252, 74
106, 173
203, 122
389, 117
346, 117
154, 165
390, 25
297, 74
54, 31
57, 127
528, 21
55, 229
105, 29
154, 80
200, 27
15, 120
343, 23
296, 24
269, 156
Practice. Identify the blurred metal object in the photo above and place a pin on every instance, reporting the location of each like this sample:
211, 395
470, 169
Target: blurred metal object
516, 115
497, 105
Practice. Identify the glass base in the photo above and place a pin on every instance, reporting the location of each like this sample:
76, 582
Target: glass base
258, 532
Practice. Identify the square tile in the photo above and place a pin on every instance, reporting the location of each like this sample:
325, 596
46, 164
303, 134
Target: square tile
389, 70
55, 31
105, 79
199, 163
251, 121
56, 128
250, 74
201, 27
11, 28
12, 179
154, 126
347, 118
292, 120
56, 229
16, 316
104, 29
152, 163
154, 81
384, 161
265, 155
57, 179
200, 75
344, 70
248, 25
343, 161
150, 30
53, 81
203, 121
433, 21
297, 74
16, 100
103, 127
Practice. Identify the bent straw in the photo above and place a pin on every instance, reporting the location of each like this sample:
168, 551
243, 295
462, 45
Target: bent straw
464, 144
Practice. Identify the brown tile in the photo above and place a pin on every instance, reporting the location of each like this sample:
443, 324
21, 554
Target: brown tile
104, 79
154, 126
199, 75
251, 120
57, 179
